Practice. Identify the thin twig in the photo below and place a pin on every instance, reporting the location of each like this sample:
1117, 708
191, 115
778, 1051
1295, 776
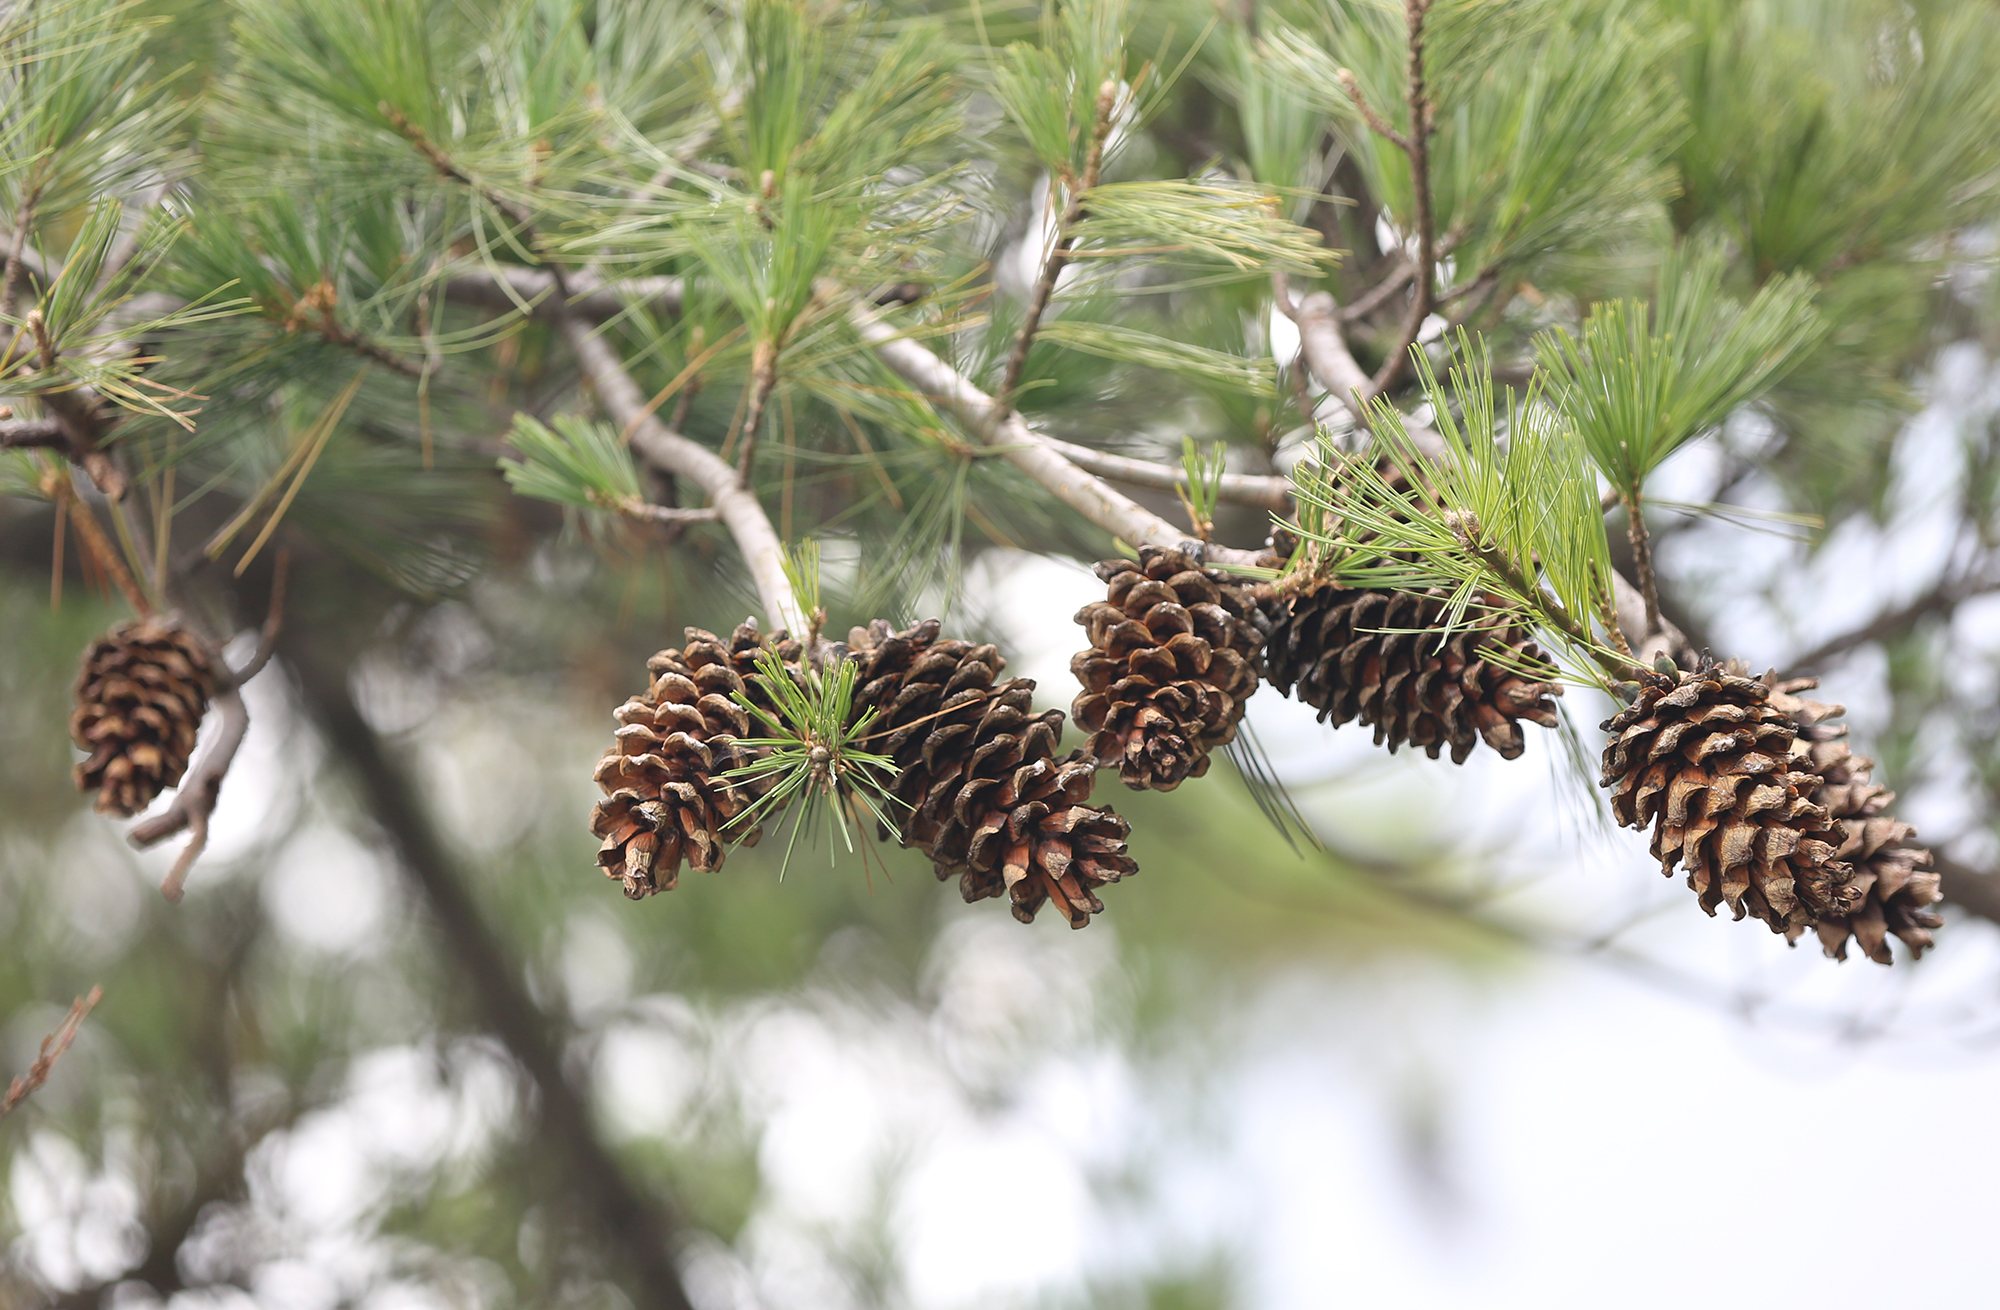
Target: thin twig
1417, 146
53, 1047
651, 513
17, 251
274, 621
763, 377
1642, 560
1058, 256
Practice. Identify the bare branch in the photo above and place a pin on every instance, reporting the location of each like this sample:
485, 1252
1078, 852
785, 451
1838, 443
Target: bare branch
23, 433
1237, 488
670, 513
53, 1047
526, 290
1376, 123
1325, 348
1021, 446
194, 803
17, 251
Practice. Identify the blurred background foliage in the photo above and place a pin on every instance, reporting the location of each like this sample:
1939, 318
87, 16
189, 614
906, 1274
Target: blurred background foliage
297, 1091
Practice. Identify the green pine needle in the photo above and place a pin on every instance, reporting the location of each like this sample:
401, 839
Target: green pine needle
1637, 387
811, 754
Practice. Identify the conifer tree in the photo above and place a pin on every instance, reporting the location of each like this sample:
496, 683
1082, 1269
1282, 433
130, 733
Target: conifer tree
1351, 337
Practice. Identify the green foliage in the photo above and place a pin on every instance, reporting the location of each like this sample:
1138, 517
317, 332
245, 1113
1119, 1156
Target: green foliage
1504, 518
578, 463
1636, 391
1551, 117
813, 758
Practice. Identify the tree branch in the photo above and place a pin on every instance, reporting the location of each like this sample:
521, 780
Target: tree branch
1417, 146
53, 1047
526, 290
1271, 493
25, 433
1058, 256
637, 1229
737, 506
1325, 348
1021, 446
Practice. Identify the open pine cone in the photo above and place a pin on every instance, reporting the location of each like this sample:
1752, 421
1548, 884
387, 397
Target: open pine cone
140, 699
1897, 883
1374, 655
1713, 766
987, 800
665, 797
1174, 654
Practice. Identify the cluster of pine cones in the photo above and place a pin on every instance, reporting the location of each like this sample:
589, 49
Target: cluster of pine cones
1748, 788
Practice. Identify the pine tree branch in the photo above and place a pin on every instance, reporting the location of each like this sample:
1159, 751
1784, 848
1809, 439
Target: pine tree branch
81, 414
737, 505
56, 485
1642, 560
26, 433
637, 1228
1058, 256
525, 290
1271, 493
1020, 445
17, 249
1325, 348
1417, 146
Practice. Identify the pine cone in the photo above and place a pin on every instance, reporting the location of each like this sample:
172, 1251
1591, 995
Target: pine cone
665, 796
1894, 873
1374, 655
1174, 654
987, 799
1720, 774
139, 703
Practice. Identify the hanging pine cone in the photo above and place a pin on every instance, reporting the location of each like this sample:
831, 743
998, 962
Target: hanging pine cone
1174, 654
665, 797
1898, 885
987, 799
1374, 655
1720, 774
139, 703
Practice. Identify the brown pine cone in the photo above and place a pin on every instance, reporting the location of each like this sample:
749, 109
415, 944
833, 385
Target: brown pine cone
665, 797
987, 800
139, 704
1174, 654
1717, 771
1374, 655
1894, 873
